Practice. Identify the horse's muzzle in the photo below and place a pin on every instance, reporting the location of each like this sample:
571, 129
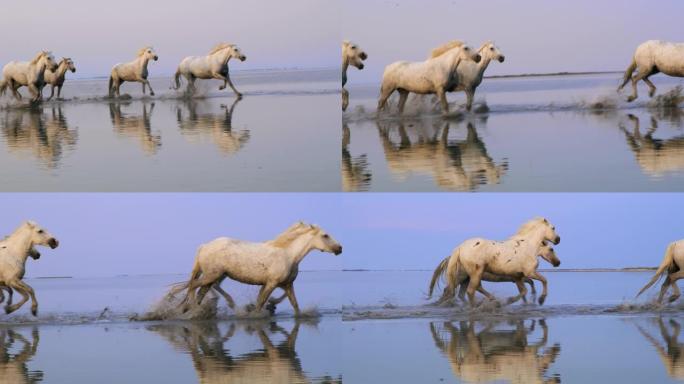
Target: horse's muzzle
556, 263
502, 58
337, 250
477, 58
53, 243
556, 241
363, 56
35, 256
360, 66
73, 70
243, 58
156, 57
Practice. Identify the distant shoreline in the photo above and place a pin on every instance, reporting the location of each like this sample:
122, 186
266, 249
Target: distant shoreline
552, 74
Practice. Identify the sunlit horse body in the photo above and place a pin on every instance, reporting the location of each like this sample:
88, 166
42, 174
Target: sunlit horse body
433, 76
271, 264
32, 253
14, 250
30, 74
650, 58
135, 71
671, 268
56, 78
212, 66
352, 55
515, 257
470, 73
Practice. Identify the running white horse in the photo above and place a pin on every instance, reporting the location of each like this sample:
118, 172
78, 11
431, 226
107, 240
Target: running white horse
672, 266
271, 264
433, 76
35, 255
470, 74
651, 57
30, 74
212, 66
516, 256
56, 78
135, 70
352, 55
14, 250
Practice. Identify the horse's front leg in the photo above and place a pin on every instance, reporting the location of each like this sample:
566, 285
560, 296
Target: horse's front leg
15, 90
145, 81
59, 92
537, 276
36, 92
403, 96
441, 94
345, 99
24, 296
470, 95
264, 294
289, 291
522, 291
237, 93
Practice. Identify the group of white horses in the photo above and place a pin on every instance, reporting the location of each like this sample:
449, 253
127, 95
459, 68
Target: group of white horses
455, 67
44, 70
275, 264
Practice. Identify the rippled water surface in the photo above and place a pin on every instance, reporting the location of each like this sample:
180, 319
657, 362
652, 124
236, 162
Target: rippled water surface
564, 133
279, 137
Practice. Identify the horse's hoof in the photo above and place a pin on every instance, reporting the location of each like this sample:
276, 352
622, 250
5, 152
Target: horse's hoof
34, 311
542, 300
630, 99
222, 88
673, 298
151, 93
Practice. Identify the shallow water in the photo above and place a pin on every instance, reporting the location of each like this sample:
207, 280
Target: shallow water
561, 133
278, 137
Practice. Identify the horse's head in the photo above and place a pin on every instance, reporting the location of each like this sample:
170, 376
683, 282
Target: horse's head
35, 255
324, 242
547, 253
467, 53
69, 64
40, 236
353, 54
549, 231
49, 60
148, 53
236, 53
490, 51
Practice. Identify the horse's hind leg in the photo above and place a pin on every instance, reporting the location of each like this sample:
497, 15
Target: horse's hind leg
385, 93
663, 289
673, 282
651, 86
640, 76
226, 296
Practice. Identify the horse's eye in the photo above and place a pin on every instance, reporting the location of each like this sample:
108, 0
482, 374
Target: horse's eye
41, 231
326, 236
491, 48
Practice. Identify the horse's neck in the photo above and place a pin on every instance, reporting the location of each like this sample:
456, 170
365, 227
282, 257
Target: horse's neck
61, 70
482, 67
143, 62
299, 248
21, 243
450, 60
224, 58
532, 242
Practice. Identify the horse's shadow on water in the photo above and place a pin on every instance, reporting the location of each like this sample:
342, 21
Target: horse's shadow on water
137, 126
44, 132
15, 351
424, 147
656, 157
209, 346
668, 346
492, 350
197, 119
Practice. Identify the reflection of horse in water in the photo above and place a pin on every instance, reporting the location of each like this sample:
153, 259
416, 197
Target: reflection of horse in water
47, 135
655, 156
495, 354
355, 174
13, 360
459, 165
672, 353
135, 126
205, 343
219, 126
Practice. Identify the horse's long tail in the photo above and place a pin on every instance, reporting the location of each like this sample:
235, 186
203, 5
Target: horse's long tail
628, 74
437, 275
668, 261
194, 275
176, 78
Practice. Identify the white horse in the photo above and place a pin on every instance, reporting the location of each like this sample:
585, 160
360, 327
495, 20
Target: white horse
14, 250
135, 70
652, 57
32, 253
352, 55
212, 66
56, 78
672, 266
31, 74
432, 76
271, 264
515, 257
470, 74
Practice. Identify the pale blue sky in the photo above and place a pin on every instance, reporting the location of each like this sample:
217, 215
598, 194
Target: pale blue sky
535, 35
98, 34
110, 234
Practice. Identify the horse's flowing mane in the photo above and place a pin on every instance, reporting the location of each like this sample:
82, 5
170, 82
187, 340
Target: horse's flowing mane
220, 46
528, 226
141, 51
38, 56
442, 49
291, 234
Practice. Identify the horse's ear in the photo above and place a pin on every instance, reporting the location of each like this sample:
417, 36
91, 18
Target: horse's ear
546, 221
